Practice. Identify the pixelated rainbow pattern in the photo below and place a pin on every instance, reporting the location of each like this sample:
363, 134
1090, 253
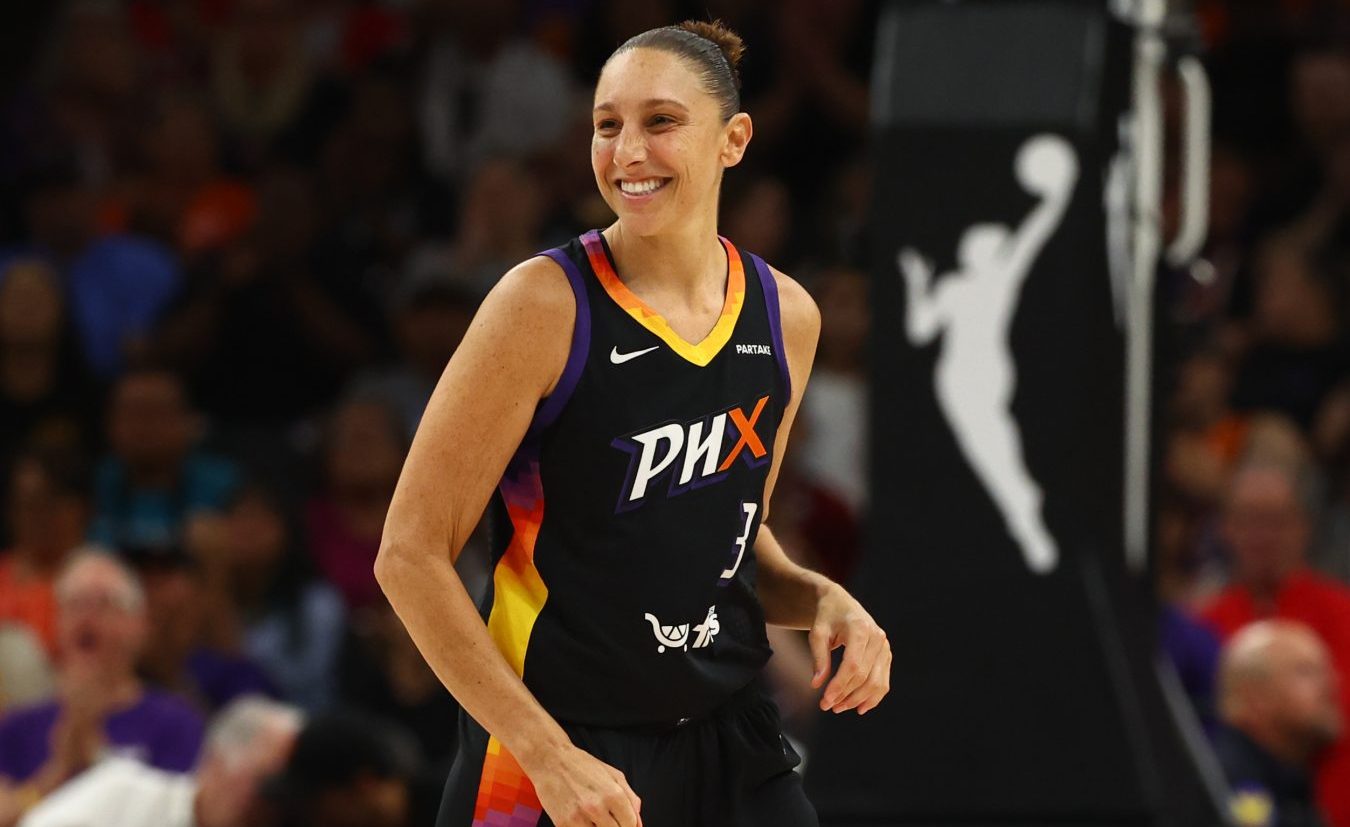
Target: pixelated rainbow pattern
703, 352
506, 798
518, 591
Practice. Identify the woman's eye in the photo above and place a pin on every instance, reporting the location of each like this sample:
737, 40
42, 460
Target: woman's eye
662, 120
605, 125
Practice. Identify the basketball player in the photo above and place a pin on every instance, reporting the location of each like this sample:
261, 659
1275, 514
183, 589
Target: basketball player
628, 396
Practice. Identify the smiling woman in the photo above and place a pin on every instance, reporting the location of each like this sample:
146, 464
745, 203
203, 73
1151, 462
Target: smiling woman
625, 401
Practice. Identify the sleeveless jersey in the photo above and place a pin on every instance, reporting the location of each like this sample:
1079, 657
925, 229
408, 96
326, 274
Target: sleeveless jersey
623, 589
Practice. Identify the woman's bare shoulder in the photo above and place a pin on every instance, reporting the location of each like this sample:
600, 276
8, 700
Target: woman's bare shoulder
536, 288
522, 333
801, 317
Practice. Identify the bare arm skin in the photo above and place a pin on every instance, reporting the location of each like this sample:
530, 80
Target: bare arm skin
511, 357
796, 597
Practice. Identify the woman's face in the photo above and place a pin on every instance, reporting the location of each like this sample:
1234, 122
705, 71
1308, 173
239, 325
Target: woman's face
656, 128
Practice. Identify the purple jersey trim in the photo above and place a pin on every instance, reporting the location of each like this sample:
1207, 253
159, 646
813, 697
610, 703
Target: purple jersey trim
552, 406
770, 288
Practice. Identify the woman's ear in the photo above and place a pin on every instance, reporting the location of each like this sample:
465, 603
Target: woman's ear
737, 137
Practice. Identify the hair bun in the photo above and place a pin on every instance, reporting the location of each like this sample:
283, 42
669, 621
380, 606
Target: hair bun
733, 48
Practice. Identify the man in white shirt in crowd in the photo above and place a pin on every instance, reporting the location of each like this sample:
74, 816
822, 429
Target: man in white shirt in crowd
248, 742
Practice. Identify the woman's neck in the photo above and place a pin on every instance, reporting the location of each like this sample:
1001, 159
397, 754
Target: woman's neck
687, 262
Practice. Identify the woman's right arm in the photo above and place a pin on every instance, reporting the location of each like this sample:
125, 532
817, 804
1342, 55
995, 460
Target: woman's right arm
511, 357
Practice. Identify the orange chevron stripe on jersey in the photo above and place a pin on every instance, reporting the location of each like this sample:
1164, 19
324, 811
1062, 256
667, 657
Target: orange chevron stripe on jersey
703, 352
506, 797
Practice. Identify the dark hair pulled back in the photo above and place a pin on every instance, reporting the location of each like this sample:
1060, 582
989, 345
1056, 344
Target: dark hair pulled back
713, 48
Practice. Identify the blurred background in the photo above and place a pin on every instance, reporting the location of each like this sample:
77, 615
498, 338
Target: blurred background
239, 239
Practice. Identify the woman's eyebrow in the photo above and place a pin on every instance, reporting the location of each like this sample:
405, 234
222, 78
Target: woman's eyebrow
650, 102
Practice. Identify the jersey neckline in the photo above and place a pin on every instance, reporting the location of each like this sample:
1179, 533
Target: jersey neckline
602, 263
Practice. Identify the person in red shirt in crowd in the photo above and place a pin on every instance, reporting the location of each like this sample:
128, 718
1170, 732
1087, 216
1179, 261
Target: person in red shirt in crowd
1268, 522
48, 509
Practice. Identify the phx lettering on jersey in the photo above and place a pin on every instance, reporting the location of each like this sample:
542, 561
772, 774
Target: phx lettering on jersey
692, 452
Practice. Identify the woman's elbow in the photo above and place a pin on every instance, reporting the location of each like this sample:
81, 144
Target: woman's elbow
406, 554
392, 556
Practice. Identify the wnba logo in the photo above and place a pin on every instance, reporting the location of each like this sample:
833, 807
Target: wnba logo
695, 448
971, 311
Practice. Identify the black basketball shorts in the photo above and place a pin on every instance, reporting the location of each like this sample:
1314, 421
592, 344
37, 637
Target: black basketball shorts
732, 768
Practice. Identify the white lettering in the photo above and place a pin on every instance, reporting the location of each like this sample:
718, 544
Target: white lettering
710, 448
647, 469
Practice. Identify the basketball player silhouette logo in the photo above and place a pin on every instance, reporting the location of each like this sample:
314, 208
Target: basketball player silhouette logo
972, 308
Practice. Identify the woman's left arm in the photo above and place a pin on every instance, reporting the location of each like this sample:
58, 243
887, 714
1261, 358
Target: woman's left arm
796, 597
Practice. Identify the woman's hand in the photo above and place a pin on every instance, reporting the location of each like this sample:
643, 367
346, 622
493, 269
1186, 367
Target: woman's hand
577, 789
864, 676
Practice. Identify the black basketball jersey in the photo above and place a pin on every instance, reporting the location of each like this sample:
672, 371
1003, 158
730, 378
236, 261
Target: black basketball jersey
624, 582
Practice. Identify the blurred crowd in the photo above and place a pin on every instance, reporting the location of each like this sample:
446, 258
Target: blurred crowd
239, 239
1253, 495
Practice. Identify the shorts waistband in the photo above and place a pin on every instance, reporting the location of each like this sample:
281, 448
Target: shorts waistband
745, 697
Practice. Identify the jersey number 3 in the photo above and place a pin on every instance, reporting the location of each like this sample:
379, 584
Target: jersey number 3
749, 510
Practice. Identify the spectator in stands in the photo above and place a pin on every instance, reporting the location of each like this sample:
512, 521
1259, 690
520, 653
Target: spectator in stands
117, 284
153, 484
26, 676
360, 460
1296, 353
269, 307
93, 84
1193, 650
101, 703
808, 92
247, 743
345, 771
503, 213
481, 81
1320, 100
1206, 436
565, 168
1279, 705
759, 216
430, 317
384, 675
193, 648
45, 393
291, 622
1203, 304
818, 529
262, 77
184, 198
834, 453
1268, 516
373, 189
48, 515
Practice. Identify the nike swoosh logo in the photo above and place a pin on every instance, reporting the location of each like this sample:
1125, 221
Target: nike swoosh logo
619, 358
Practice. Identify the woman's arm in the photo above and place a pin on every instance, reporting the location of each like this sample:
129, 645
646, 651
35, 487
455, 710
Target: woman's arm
797, 597
511, 357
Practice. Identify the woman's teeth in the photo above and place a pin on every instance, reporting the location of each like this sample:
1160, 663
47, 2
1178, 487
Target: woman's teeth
642, 187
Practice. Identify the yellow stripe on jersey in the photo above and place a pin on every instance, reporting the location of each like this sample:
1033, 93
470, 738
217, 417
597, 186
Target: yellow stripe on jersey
519, 592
